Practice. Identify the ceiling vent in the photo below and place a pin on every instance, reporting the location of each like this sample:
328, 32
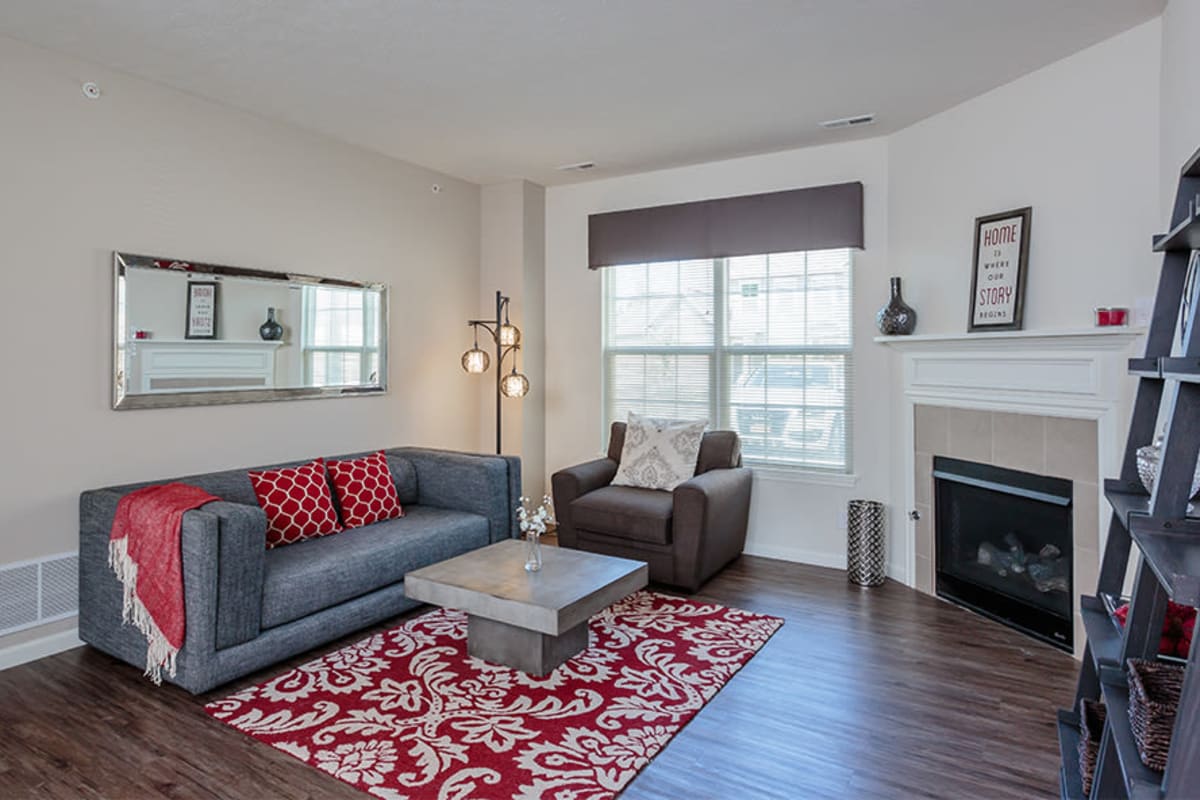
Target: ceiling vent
582, 166
849, 122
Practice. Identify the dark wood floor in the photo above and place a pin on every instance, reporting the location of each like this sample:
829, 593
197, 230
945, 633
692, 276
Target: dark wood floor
880, 693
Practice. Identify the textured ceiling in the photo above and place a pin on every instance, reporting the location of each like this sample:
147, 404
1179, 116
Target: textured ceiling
491, 91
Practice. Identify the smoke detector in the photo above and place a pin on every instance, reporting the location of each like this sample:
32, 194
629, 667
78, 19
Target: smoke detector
849, 122
581, 166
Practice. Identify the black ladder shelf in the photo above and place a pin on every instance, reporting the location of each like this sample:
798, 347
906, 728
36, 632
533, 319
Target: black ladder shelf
1167, 540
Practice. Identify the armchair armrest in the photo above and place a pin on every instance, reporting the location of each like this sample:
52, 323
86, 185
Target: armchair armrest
573, 482
711, 513
480, 484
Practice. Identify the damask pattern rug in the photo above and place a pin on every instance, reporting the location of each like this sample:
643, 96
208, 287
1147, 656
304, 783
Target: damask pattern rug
408, 715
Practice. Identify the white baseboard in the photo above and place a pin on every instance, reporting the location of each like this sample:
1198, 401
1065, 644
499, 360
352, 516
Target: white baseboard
816, 558
32, 650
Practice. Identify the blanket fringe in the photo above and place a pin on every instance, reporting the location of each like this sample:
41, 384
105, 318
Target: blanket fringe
159, 652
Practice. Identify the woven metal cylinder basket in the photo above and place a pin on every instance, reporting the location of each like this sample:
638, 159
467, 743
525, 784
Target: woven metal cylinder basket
866, 551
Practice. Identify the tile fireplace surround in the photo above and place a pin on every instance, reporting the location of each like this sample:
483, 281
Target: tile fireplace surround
1050, 403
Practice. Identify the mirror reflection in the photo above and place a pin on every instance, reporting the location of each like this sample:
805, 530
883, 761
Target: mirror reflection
188, 333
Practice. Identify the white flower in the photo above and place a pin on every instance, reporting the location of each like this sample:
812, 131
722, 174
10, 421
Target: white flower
365, 761
535, 521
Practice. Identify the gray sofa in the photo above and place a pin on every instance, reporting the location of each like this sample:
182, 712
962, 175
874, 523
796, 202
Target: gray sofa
248, 607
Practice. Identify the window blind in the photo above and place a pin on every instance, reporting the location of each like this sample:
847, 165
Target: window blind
797, 220
760, 344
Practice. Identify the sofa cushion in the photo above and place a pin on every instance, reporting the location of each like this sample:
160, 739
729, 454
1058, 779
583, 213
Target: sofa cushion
366, 492
625, 511
303, 578
718, 449
297, 501
658, 453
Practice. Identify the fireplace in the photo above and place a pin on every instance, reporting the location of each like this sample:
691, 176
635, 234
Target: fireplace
1004, 546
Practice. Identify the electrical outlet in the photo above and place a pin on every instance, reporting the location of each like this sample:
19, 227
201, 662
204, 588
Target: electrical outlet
841, 518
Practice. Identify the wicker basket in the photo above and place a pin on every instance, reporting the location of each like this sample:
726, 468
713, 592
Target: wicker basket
1154, 689
1091, 724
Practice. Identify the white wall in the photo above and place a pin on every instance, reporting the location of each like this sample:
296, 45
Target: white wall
798, 521
156, 302
512, 236
1077, 141
1180, 113
533, 355
151, 170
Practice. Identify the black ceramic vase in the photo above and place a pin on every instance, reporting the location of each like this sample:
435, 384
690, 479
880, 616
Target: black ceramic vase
270, 331
897, 318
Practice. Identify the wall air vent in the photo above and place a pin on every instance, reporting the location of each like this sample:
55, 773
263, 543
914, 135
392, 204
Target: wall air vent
582, 166
849, 122
38, 591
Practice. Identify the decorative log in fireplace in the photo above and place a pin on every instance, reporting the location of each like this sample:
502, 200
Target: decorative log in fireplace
1003, 546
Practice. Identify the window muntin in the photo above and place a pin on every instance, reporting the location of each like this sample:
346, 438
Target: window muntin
341, 336
759, 344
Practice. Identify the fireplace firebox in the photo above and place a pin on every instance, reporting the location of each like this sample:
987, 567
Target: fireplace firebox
1004, 546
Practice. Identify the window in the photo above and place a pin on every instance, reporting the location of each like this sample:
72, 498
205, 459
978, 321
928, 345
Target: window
757, 344
340, 336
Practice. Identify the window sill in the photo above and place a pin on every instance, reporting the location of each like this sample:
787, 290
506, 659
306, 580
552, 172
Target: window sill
800, 475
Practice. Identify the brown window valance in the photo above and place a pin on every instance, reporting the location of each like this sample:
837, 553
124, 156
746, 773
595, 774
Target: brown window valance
816, 218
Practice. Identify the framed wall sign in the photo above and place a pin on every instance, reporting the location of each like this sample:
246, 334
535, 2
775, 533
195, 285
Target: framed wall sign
998, 276
201, 310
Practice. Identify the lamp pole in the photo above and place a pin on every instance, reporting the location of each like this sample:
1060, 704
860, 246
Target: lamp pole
501, 304
507, 338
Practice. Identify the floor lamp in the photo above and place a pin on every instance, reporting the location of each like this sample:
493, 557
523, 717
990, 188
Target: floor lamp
507, 338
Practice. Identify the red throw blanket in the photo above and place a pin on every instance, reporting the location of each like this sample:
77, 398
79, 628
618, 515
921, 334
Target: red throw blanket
144, 551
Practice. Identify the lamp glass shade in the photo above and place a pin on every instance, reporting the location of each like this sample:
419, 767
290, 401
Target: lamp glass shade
475, 361
514, 384
509, 335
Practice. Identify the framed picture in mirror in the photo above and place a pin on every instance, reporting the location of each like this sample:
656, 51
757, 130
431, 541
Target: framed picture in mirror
201, 310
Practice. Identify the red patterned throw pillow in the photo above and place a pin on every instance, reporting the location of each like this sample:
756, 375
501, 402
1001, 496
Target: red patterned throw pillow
365, 490
297, 501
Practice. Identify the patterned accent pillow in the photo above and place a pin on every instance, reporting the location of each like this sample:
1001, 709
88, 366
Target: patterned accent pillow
365, 490
298, 503
659, 453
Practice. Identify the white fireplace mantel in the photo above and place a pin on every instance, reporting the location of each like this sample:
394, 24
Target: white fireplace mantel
1118, 336
1075, 373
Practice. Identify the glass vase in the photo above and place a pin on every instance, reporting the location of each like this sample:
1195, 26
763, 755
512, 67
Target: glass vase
533, 553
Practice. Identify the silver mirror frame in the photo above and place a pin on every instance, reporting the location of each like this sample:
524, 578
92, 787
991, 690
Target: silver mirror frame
123, 401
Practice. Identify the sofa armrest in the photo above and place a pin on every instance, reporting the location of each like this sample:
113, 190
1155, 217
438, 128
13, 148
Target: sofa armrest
223, 546
711, 513
479, 484
241, 561
574, 482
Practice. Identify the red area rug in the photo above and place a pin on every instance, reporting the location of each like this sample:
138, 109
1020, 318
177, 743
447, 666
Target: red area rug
408, 715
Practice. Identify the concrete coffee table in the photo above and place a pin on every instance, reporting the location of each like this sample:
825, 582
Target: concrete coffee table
532, 621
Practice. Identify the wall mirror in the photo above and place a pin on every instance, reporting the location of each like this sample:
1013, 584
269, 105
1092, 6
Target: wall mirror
186, 333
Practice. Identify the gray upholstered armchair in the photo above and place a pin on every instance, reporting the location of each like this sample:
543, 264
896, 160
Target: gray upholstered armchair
686, 536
